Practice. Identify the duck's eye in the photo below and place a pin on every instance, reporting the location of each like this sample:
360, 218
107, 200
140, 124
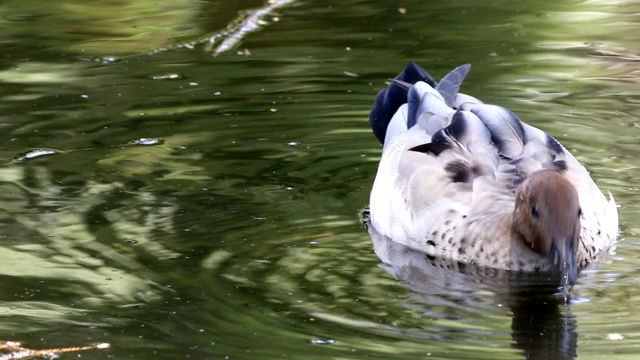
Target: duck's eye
534, 211
579, 212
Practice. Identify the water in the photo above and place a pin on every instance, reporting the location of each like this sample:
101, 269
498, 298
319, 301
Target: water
177, 204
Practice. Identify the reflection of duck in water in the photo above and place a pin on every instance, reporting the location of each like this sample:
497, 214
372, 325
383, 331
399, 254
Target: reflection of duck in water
470, 182
541, 326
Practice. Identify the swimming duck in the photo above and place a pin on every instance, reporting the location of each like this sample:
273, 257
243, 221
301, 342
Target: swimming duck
471, 182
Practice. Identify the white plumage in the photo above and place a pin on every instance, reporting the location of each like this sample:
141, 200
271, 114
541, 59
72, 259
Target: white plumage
452, 171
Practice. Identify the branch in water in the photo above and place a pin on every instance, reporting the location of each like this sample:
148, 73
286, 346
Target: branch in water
243, 27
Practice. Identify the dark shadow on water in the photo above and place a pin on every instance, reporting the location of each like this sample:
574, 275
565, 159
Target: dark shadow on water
543, 326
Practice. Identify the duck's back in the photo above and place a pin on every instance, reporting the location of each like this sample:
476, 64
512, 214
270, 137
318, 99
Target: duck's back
450, 168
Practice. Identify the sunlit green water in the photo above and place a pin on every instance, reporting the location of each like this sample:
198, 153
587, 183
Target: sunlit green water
239, 236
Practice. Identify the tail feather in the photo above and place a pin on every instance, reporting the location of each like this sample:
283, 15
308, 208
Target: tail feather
389, 100
429, 102
450, 84
505, 127
465, 102
424, 99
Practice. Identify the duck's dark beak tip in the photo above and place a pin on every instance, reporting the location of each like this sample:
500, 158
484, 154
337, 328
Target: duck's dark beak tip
563, 258
571, 274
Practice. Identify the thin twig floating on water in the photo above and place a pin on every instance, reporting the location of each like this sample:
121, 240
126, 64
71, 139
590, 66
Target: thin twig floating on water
18, 352
240, 28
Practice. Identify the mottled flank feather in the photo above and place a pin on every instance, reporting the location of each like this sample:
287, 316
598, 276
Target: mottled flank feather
471, 182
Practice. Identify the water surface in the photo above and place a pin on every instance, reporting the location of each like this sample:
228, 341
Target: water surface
234, 232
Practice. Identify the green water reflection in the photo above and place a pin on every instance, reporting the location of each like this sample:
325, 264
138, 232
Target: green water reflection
239, 235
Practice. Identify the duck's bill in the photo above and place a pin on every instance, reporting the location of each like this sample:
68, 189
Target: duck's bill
563, 260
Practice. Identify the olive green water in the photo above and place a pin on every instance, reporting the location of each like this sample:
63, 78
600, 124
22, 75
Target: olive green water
236, 234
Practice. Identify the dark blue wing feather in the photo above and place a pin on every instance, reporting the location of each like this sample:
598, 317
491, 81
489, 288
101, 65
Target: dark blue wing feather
450, 84
390, 99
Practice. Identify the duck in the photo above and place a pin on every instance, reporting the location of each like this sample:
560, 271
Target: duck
470, 182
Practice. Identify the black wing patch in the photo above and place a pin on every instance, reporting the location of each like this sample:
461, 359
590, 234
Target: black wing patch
560, 166
459, 171
463, 172
390, 99
434, 148
554, 145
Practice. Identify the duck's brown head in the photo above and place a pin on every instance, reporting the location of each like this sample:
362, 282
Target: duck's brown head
547, 216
